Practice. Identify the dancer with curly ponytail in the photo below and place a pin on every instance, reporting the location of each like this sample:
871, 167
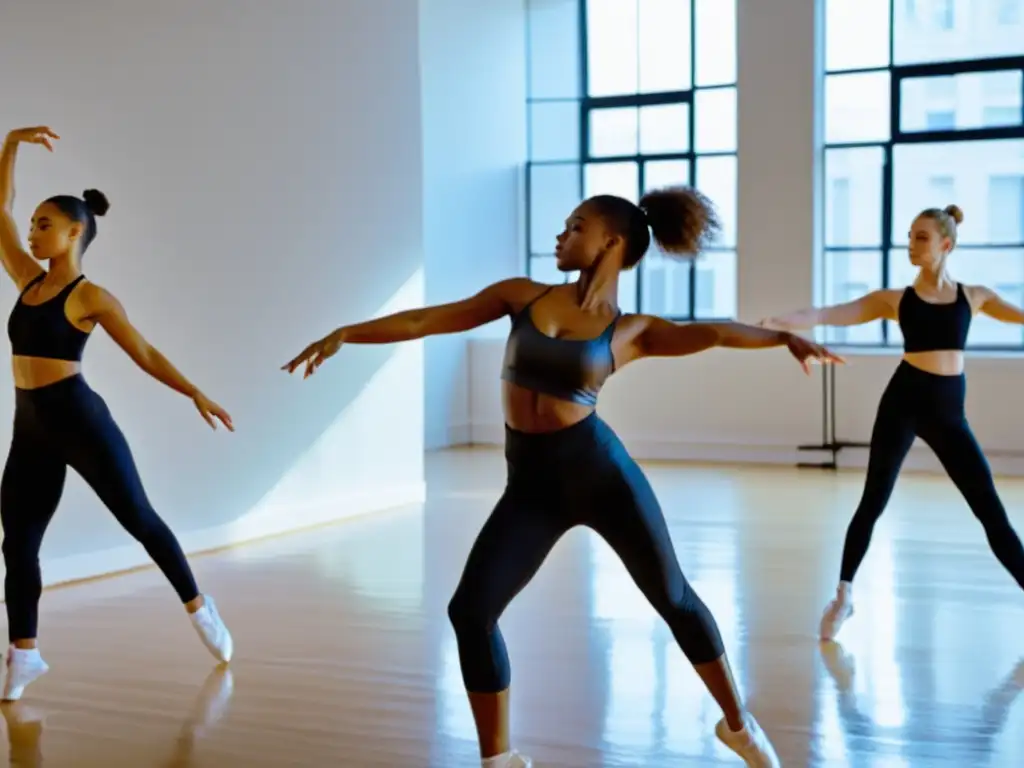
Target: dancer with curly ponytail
566, 467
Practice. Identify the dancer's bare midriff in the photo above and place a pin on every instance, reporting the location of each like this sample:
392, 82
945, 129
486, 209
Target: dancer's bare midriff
36, 372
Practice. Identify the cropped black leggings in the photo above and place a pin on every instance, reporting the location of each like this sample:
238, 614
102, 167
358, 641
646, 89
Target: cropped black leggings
57, 426
921, 404
581, 475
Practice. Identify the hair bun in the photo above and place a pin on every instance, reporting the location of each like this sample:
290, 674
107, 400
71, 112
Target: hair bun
954, 213
96, 201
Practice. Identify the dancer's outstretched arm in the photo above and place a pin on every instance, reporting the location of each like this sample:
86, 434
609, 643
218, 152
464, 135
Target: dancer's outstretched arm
22, 268
995, 307
103, 308
656, 337
877, 305
492, 303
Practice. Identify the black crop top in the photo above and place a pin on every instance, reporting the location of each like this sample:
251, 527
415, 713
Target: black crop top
43, 330
569, 369
931, 327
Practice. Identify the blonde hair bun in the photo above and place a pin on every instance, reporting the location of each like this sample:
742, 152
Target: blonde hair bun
955, 213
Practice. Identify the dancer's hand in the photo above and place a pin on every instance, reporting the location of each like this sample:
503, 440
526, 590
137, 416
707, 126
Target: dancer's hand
807, 352
39, 135
209, 410
316, 353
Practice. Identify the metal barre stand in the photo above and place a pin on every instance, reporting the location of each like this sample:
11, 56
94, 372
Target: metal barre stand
828, 424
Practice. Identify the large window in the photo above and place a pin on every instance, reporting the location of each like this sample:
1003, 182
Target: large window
627, 96
923, 108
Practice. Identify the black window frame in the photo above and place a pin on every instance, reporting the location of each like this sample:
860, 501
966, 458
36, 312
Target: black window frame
897, 137
588, 104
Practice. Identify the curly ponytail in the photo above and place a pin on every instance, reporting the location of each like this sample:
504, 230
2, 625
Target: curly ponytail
682, 220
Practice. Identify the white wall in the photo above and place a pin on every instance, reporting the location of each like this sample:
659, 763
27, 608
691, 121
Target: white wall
473, 59
758, 406
263, 163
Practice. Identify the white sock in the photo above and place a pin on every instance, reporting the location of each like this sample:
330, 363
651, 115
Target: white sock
845, 591
498, 761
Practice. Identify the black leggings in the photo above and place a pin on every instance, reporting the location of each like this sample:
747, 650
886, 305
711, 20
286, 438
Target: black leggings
56, 426
921, 404
581, 475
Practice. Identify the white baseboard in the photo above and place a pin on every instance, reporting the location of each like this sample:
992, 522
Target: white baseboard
259, 525
920, 459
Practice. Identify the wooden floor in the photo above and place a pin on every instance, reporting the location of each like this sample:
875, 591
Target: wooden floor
345, 658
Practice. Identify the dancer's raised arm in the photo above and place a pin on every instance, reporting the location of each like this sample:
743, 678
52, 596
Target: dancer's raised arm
22, 268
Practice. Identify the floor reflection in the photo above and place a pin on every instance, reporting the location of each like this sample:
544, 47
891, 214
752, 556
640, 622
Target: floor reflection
26, 723
939, 732
344, 653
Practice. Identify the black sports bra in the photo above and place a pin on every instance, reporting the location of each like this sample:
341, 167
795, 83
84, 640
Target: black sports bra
568, 369
43, 330
929, 327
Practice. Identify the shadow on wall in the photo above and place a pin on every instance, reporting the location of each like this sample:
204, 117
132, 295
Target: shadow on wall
344, 439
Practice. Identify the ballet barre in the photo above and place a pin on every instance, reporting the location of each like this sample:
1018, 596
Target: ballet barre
829, 442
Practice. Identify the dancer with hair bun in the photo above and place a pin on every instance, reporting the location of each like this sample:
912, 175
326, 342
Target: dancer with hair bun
59, 421
924, 398
566, 467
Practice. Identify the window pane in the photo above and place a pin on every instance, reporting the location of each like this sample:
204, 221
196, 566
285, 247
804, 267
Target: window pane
1002, 270
554, 194
664, 129
554, 49
1006, 208
666, 173
990, 207
853, 196
554, 130
857, 107
666, 285
715, 38
946, 30
848, 276
869, 47
973, 100
665, 39
612, 37
544, 269
715, 120
620, 179
717, 178
1007, 13
613, 132
715, 295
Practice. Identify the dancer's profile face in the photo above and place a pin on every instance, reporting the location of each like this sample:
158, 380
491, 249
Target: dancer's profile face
52, 233
928, 245
584, 241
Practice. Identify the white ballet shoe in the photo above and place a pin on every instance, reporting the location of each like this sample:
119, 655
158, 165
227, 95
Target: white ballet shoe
836, 613
213, 631
750, 743
24, 666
